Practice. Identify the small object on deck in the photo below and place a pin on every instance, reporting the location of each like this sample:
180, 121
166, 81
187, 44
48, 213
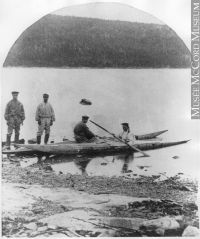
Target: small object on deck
32, 141
85, 102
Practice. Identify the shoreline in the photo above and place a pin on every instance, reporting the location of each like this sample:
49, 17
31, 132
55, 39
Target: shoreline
52, 196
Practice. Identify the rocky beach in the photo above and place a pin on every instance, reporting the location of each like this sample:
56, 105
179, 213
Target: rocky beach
37, 202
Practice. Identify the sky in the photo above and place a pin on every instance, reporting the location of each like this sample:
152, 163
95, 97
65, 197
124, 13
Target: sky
111, 11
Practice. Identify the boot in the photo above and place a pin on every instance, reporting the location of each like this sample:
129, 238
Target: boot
38, 139
46, 138
16, 138
8, 141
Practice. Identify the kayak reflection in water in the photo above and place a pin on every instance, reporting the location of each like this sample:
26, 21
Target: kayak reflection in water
126, 159
82, 164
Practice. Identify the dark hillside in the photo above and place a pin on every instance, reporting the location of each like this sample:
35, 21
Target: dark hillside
64, 41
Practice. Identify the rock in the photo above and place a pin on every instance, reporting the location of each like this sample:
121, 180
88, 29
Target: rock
191, 206
85, 102
140, 167
32, 226
191, 232
47, 168
23, 235
128, 171
125, 222
32, 234
164, 222
40, 229
107, 233
51, 226
175, 157
179, 219
160, 232
56, 235
162, 226
37, 210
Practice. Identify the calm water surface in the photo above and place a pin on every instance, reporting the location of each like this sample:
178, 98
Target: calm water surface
149, 99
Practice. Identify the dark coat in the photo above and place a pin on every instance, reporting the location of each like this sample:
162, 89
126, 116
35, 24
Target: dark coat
81, 130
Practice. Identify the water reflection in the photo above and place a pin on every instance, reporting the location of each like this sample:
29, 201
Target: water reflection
115, 165
126, 159
81, 164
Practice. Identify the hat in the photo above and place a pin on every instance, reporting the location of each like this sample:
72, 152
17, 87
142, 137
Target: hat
15, 92
125, 124
85, 117
45, 96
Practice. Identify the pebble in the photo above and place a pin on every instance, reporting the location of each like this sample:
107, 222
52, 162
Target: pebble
166, 223
31, 226
160, 231
47, 168
191, 231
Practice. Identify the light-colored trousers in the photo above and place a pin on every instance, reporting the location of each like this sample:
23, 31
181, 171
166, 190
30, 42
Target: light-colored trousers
45, 125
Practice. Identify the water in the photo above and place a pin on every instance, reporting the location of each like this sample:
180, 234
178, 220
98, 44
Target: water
149, 99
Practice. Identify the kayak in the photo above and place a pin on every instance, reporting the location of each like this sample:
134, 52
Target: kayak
109, 147
150, 136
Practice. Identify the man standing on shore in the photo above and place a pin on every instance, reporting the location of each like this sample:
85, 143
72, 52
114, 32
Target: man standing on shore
14, 115
45, 117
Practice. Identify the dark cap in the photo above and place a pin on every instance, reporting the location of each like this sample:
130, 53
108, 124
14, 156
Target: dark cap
125, 124
15, 92
85, 117
45, 96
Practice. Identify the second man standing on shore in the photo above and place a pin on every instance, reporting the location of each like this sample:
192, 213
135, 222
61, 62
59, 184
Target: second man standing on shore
45, 117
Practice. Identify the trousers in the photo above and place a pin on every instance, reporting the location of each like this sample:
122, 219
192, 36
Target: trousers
13, 124
45, 125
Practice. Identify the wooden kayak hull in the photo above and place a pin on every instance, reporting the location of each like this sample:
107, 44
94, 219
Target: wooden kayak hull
96, 148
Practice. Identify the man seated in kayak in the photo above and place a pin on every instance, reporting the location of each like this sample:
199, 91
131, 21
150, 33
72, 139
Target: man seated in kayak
82, 133
126, 135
